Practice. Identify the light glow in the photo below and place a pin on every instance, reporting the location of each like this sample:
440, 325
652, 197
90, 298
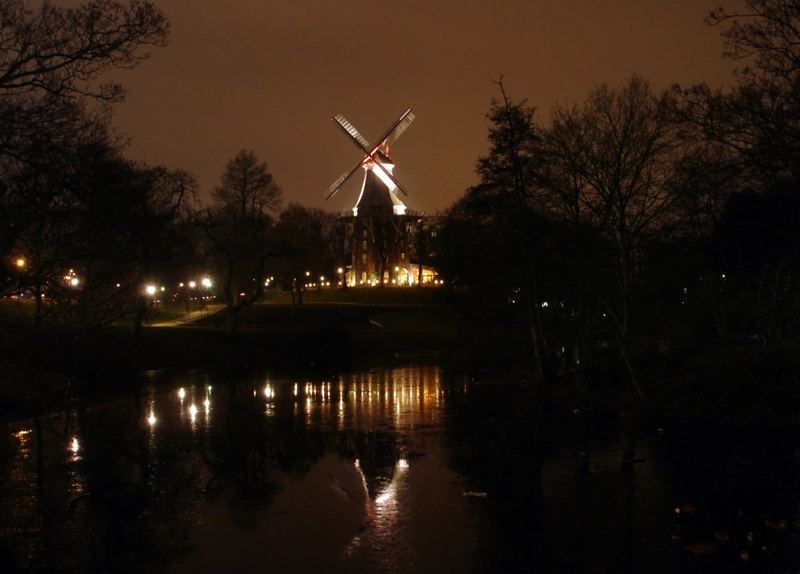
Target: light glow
384, 177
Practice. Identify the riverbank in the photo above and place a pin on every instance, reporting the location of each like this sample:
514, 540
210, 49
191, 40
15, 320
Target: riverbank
738, 385
318, 338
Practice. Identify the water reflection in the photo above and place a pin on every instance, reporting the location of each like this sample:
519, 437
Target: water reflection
395, 470
152, 467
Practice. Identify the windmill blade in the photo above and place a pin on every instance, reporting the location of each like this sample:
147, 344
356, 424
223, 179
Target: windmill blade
339, 182
352, 132
401, 127
392, 128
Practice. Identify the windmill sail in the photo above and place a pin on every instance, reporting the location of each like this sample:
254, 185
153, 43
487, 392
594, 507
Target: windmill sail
405, 122
375, 156
350, 130
396, 125
342, 178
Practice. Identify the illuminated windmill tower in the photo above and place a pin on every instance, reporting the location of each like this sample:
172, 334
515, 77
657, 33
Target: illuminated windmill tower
376, 237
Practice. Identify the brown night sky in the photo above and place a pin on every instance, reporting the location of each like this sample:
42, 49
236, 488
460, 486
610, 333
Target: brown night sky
269, 75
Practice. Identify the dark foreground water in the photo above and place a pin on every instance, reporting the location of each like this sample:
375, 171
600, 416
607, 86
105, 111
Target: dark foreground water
395, 470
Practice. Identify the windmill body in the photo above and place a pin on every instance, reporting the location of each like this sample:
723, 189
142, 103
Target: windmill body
376, 237
378, 193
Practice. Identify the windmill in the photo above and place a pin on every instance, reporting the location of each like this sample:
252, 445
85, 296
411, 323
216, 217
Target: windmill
376, 238
379, 189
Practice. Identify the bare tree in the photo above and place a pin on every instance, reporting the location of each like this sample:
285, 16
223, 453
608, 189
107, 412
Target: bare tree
508, 170
755, 125
758, 118
246, 200
617, 155
62, 51
765, 32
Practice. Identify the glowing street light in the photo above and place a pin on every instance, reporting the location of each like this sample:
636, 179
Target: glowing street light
150, 290
206, 282
74, 281
192, 284
20, 262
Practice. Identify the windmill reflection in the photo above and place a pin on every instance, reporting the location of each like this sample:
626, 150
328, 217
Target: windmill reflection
383, 510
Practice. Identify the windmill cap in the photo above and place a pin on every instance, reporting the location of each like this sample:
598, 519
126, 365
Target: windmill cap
383, 157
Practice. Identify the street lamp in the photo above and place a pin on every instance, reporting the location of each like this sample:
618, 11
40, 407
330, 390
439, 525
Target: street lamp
20, 263
150, 290
206, 282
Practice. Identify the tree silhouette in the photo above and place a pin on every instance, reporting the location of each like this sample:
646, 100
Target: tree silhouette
238, 225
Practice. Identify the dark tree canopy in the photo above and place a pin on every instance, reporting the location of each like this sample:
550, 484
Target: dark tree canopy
247, 190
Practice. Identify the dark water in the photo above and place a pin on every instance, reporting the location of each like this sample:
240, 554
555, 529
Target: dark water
393, 470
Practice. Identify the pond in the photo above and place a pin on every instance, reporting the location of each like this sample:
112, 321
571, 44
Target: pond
412, 469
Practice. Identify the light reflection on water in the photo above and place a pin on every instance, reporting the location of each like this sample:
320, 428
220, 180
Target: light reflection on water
162, 459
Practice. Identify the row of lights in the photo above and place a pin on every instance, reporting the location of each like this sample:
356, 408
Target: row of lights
375, 282
205, 282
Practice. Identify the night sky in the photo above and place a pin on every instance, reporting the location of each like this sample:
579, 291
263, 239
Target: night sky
269, 75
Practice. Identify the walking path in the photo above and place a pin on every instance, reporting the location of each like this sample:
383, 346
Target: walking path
191, 317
